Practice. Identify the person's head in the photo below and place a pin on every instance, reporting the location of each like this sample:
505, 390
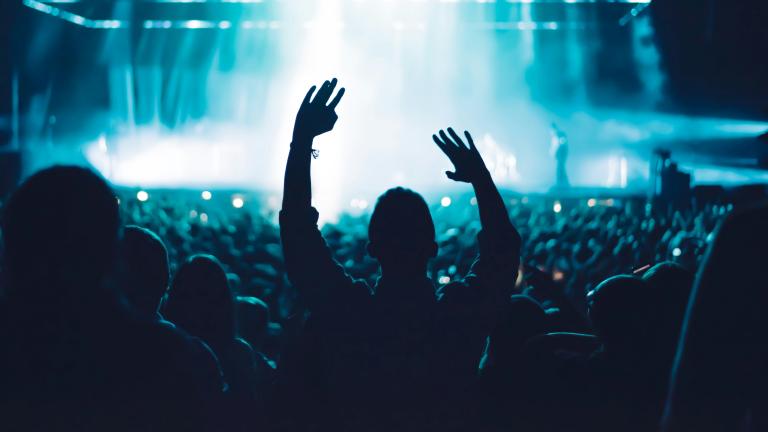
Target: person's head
144, 269
200, 300
253, 320
524, 319
618, 311
401, 233
670, 285
60, 230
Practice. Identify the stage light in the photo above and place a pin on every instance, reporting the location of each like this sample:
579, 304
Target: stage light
473, 201
445, 201
238, 202
206, 195
142, 196
591, 202
444, 280
557, 207
204, 218
676, 252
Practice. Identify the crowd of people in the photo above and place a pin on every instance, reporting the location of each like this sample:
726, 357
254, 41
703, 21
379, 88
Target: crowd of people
174, 314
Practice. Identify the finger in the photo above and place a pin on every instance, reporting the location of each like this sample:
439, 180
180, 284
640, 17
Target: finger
329, 91
337, 99
470, 141
450, 175
308, 97
441, 144
448, 143
456, 138
322, 95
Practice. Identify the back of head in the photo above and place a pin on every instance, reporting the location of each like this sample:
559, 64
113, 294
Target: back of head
401, 230
618, 309
144, 268
60, 230
200, 300
253, 319
670, 285
524, 319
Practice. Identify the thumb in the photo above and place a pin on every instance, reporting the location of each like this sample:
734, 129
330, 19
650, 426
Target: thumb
450, 175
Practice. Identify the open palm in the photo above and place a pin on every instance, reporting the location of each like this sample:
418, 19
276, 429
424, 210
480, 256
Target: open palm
467, 162
317, 116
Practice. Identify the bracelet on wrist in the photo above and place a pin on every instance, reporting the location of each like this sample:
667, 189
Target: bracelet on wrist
314, 152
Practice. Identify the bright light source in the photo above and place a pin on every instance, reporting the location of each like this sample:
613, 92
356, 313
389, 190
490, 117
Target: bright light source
204, 218
443, 280
238, 202
558, 275
103, 143
206, 195
473, 201
557, 207
676, 252
591, 202
363, 204
445, 201
142, 195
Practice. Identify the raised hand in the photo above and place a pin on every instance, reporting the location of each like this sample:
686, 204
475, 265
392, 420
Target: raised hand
467, 162
317, 116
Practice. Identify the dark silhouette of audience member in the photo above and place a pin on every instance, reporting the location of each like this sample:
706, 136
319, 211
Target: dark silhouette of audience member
201, 303
502, 367
72, 357
669, 285
253, 322
524, 319
719, 376
144, 269
400, 355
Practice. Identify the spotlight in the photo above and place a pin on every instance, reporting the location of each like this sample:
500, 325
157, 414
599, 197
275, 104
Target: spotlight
142, 196
443, 280
676, 252
206, 195
445, 202
557, 208
238, 202
591, 202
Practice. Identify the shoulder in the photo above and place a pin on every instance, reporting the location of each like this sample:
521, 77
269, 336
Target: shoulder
457, 292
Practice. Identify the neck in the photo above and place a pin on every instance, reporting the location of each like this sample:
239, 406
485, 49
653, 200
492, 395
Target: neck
399, 274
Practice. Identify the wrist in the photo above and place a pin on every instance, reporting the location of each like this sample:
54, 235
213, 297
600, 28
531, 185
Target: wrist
482, 177
301, 143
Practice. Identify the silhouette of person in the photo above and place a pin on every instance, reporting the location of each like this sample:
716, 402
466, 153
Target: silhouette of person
559, 149
201, 303
144, 270
401, 355
253, 322
72, 357
719, 374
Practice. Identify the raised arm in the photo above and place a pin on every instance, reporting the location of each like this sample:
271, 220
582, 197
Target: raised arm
499, 241
308, 260
315, 117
